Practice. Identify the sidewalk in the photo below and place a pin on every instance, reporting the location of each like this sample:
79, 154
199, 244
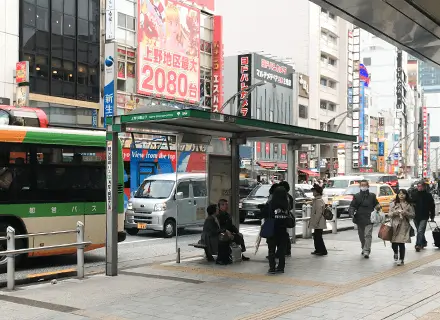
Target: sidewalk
342, 285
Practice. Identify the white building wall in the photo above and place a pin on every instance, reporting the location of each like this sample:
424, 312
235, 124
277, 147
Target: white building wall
9, 42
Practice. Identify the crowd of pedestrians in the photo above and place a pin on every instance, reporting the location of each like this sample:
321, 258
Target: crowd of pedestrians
407, 217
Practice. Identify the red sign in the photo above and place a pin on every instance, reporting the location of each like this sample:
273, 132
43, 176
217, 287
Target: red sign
425, 137
244, 82
168, 59
283, 149
217, 66
258, 147
22, 72
267, 148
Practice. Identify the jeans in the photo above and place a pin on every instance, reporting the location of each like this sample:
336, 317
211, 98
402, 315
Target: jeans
277, 243
365, 233
399, 248
319, 241
421, 228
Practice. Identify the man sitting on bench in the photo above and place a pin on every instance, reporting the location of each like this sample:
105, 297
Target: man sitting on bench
225, 221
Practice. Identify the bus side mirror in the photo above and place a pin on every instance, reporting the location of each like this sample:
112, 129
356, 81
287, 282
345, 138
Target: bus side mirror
179, 196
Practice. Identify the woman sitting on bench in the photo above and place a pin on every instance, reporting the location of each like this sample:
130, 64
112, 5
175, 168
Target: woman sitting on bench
211, 236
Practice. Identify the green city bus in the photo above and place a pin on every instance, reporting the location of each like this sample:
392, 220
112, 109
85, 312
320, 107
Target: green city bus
49, 180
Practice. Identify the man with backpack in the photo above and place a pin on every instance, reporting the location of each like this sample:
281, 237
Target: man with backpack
363, 203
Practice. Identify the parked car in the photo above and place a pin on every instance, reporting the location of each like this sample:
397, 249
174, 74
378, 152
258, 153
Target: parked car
336, 186
306, 188
389, 179
246, 186
384, 193
249, 207
154, 205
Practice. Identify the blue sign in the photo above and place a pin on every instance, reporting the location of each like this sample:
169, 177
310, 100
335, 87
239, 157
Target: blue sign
94, 118
109, 81
381, 150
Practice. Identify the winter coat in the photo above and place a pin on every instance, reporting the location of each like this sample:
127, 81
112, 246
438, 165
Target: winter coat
210, 234
425, 205
362, 205
317, 220
400, 214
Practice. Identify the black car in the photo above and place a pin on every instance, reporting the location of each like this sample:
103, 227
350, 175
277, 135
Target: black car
249, 207
246, 186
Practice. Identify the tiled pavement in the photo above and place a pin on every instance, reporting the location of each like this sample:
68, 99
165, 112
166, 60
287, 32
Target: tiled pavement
342, 285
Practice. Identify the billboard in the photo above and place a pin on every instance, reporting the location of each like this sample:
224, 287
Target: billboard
168, 60
217, 66
425, 140
244, 82
109, 81
272, 71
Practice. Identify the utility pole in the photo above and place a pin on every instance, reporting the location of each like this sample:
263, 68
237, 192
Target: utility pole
416, 134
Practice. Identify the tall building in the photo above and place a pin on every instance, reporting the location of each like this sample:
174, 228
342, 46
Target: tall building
310, 39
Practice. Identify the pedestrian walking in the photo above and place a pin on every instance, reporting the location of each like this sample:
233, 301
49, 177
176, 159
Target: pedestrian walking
424, 209
363, 203
317, 221
276, 217
401, 212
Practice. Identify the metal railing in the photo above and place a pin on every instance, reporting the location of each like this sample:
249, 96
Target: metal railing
306, 214
11, 252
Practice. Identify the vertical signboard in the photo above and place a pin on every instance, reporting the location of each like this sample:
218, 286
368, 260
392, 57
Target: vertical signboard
354, 89
244, 103
399, 87
425, 140
110, 25
109, 81
22, 72
271, 71
94, 118
217, 66
22, 81
109, 191
168, 59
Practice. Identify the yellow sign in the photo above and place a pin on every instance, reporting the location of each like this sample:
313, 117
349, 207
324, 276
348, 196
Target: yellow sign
381, 164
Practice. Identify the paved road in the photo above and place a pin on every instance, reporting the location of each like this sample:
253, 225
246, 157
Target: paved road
141, 249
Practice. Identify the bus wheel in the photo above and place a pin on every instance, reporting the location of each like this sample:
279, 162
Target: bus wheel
169, 228
19, 244
132, 231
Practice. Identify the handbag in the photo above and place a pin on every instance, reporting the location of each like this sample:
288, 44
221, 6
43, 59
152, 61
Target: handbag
223, 237
386, 231
328, 213
268, 227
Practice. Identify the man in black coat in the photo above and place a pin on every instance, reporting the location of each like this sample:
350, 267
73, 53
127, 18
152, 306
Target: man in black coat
424, 209
361, 206
225, 221
286, 186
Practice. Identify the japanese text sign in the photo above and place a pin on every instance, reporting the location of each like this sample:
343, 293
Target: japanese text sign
22, 72
272, 71
168, 59
217, 66
399, 87
244, 82
109, 80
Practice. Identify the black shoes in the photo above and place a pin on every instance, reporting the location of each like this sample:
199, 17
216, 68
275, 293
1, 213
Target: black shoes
319, 253
272, 271
245, 258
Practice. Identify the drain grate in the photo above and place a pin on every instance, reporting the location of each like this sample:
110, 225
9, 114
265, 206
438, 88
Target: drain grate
430, 271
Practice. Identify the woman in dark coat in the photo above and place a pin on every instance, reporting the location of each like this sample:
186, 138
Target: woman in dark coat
210, 233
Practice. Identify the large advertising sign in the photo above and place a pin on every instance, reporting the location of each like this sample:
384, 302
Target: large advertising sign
272, 71
217, 66
354, 85
244, 82
168, 59
399, 87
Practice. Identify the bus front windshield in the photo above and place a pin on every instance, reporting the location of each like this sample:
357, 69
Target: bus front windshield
155, 189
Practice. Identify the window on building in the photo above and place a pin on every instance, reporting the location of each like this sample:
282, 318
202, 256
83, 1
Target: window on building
323, 10
323, 104
367, 61
205, 87
332, 62
331, 84
323, 126
331, 107
302, 111
332, 39
331, 16
126, 21
57, 37
323, 82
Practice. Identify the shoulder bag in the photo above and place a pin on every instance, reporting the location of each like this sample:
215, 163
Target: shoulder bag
268, 227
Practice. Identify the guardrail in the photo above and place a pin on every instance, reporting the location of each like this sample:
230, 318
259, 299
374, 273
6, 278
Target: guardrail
11, 252
306, 214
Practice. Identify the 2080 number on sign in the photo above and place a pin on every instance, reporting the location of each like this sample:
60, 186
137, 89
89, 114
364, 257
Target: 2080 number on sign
167, 82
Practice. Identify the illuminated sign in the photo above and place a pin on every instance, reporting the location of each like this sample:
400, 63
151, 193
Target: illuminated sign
244, 81
217, 65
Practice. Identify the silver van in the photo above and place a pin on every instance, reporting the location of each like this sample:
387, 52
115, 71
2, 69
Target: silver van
154, 205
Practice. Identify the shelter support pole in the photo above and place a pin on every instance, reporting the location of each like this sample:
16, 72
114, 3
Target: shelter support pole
291, 174
235, 181
111, 242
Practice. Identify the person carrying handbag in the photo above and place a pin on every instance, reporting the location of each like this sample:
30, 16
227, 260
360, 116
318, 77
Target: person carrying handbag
401, 212
317, 221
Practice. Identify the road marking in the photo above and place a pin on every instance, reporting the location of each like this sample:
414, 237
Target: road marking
49, 273
245, 276
138, 241
38, 304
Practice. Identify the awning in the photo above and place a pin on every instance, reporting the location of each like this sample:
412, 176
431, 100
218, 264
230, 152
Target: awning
309, 172
266, 164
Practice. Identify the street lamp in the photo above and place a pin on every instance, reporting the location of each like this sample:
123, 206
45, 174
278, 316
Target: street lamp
330, 124
231, 100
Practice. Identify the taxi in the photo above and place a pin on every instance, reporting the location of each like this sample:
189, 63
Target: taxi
384, 194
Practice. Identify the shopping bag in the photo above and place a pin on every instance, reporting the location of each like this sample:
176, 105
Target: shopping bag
386, 231
377, 217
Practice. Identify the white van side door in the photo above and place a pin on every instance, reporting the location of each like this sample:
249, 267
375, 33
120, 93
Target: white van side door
200, 200
185, 208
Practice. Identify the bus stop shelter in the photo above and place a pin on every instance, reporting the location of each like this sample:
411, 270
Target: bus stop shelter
197, 126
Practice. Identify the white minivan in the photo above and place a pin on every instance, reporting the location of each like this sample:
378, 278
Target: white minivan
154, 205
337, 185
